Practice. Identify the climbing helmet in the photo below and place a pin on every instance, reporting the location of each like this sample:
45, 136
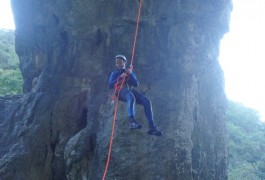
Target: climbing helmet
121, 56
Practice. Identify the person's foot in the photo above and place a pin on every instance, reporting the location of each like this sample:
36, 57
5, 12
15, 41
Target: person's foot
135, 125
154, 131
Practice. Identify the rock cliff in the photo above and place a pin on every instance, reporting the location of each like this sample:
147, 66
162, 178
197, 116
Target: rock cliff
60, 127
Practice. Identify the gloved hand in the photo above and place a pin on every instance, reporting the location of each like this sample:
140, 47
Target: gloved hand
128, 71
123, 75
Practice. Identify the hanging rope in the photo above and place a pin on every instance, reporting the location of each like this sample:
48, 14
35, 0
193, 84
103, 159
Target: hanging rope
136, 33
117, 87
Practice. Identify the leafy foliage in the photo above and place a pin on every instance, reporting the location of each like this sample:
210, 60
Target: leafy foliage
246, 143
10, 75
10, 82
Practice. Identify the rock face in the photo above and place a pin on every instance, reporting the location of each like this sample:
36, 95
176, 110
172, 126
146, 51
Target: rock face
60, 127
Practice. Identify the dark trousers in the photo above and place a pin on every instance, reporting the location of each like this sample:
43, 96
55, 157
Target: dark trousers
132, 97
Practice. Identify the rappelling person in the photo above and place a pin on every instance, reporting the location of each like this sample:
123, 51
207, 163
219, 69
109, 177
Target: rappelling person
131, 96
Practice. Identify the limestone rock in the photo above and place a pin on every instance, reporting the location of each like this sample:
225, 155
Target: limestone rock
60, 127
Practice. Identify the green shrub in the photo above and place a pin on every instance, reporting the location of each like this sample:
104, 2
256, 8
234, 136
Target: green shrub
246, 143
10, 82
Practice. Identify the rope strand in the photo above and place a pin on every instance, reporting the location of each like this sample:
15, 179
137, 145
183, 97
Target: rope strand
117, 87
136, 32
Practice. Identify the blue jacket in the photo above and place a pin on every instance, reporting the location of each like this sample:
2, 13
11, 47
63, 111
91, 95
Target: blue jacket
130, 80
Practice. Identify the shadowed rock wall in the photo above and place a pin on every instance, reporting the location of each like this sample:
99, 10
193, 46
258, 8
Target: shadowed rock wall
60, 127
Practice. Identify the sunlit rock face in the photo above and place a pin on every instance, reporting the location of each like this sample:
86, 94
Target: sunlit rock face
60, 127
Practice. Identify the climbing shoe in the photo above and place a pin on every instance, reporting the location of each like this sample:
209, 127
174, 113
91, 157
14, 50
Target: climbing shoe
135, 125
154, 131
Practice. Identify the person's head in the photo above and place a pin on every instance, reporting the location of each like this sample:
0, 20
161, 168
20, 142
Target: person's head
120, 61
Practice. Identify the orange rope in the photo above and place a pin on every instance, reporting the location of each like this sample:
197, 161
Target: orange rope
117, 87
136, 32
113, 123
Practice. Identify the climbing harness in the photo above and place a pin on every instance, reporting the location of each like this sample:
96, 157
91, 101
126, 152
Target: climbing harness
117, 89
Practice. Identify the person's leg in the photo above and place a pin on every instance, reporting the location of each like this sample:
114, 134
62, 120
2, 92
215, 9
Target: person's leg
143, 100
146, 103
127, 96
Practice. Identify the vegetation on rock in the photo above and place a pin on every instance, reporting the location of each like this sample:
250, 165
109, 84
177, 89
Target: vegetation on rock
246, 143
10, 75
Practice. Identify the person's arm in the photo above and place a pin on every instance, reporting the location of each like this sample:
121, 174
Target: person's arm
113, 80
133, 81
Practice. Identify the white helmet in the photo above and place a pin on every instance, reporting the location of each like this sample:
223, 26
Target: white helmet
121, 56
